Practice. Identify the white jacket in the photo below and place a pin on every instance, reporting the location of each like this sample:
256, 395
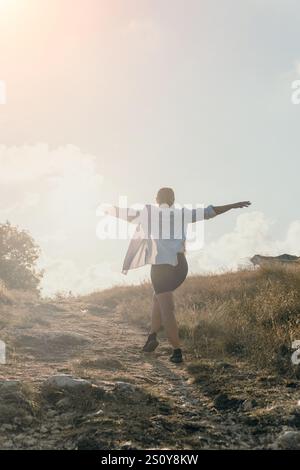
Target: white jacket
161, 234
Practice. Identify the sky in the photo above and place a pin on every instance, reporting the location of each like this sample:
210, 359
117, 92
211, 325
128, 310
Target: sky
110, 98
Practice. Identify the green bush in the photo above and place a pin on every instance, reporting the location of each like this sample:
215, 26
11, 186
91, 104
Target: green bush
18, 257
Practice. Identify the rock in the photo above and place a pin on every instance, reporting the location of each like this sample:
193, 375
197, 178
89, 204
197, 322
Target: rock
67, 382
29, 441
19, 438
224, 402
89, 443
17, 420
8, 444
7, 427
66, 418
27, 420
10, 385
55, 427
63, 403
68, 426
94, 414
295, 418
225, 365
248, 405
49, 445
127, 445
44, 430
259, 260
288, 440
191, 426
69, 446
292, 385
125, 387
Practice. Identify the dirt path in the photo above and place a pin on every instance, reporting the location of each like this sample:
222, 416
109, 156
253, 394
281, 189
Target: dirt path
149, 402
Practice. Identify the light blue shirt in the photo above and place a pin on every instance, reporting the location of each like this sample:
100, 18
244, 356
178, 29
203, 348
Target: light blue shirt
161, 234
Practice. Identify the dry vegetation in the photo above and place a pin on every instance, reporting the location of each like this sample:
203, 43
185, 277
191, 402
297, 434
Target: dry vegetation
237, 388
254, 314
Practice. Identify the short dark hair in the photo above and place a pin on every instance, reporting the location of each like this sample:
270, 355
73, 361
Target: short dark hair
165, 196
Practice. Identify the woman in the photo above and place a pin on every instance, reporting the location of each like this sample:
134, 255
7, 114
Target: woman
165, 251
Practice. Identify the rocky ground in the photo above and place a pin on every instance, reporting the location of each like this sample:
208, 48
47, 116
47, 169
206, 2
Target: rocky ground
75, 379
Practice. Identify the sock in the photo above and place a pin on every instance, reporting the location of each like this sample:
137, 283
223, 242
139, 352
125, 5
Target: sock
177, 351
152, 336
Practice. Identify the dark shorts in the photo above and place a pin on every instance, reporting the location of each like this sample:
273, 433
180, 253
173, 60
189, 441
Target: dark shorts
166, 278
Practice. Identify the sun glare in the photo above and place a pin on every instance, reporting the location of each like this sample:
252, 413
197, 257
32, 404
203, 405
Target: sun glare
11, 12
8, 4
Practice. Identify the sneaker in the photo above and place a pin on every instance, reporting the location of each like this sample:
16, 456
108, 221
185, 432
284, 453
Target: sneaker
151, 343
176, 356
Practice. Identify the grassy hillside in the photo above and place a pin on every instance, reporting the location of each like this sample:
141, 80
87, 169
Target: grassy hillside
237, 388
250, 314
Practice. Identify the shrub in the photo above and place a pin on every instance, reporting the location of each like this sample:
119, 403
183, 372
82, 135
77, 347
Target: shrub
18, 257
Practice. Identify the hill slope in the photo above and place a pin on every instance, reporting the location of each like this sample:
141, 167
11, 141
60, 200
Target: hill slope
129, 399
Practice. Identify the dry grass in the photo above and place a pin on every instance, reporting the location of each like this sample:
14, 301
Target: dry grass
254, 314
17, 402
134, 302
251, 314
14, 307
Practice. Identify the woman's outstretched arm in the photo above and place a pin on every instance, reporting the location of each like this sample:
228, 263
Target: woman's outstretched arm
124, 213
237, 205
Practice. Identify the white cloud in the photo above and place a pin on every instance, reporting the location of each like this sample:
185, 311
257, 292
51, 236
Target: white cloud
31, 162
251, 235
297, 67
64, 275
55, 193
29, 200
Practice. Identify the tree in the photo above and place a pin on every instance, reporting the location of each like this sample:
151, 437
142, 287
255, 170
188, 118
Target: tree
18, 257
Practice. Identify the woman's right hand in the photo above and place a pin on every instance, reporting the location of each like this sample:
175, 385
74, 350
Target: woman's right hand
241, 205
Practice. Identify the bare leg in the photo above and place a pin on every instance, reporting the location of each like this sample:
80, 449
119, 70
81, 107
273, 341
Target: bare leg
167, 308
156, 316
